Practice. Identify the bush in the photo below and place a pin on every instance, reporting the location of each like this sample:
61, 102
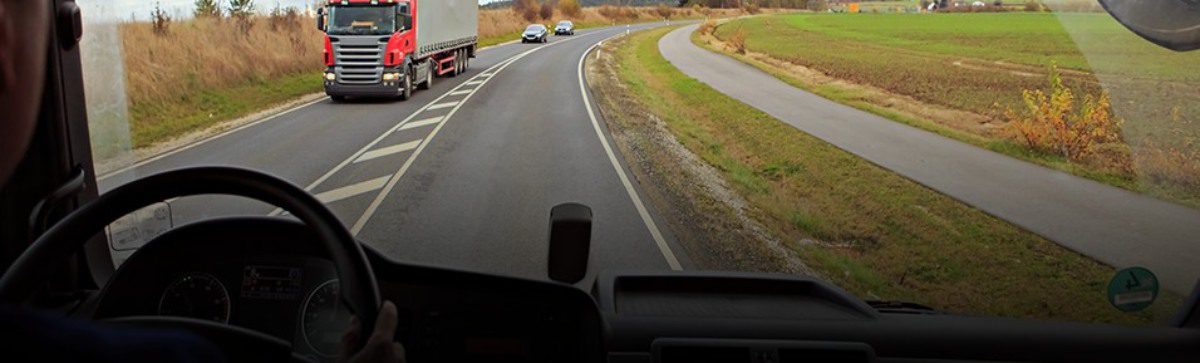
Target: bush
207, 9
738, 41
1052, 123
708, 26
663, 11
751, 8
1033, 6
547, 11
569, 8
160, 20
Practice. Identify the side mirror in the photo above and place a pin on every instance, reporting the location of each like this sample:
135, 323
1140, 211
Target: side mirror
321, 19
570, 242
1172, 24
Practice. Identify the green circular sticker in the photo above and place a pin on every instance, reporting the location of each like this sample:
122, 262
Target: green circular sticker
1132, 289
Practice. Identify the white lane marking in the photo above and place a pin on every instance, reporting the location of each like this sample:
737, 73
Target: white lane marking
352, 190
377, 153
463, 92
366, 216
385, 134
472, 83
205, 140
443, 105
637, 201
421, 123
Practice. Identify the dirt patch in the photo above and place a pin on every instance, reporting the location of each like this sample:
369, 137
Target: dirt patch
714, 225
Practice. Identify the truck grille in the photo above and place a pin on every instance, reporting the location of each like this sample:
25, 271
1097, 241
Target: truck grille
359, 59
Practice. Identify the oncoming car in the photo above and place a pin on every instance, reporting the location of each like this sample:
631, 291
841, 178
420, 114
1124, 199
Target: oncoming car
565, 27
535, 33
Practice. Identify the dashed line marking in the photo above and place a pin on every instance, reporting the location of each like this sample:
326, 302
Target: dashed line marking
422, 123
442, 105
462, 92
352, 190
472, 83
377, 153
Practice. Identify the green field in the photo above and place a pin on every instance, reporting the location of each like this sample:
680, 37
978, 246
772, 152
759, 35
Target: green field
870, 231
981, 63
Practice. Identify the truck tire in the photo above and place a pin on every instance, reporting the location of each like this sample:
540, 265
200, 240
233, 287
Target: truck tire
428, 83
406, 88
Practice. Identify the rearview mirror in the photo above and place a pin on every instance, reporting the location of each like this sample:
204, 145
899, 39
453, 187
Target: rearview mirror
321, 19
570, 242
1173, 24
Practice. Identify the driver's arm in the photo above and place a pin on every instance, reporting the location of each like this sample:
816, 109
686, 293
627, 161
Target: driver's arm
380, 345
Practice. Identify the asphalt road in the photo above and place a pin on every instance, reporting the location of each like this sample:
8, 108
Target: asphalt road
1109, 224
462, 175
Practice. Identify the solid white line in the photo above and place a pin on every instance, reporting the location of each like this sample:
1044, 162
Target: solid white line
352, 190
463, 92
370, 211
422, 123
637, 201
377, 153
205, 140
442, 105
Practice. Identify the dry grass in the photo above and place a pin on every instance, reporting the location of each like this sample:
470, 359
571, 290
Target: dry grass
498, 25
214, 53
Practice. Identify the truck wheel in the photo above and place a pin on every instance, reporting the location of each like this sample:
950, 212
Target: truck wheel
466, 60
428, 83
407, 87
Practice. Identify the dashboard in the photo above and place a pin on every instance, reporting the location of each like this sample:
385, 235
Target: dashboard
270, 277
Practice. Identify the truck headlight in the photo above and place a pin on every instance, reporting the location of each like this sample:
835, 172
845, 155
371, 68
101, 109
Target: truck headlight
389, 76
330, 76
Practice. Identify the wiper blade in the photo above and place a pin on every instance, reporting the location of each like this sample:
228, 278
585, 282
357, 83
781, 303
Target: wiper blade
902, 307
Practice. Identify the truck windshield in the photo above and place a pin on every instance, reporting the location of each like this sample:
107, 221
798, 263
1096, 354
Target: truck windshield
362, 20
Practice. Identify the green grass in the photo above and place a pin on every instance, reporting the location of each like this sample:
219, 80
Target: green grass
981, 63
160, 121
882, 235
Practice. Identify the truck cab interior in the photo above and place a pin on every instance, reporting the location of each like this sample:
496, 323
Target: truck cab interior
302, 277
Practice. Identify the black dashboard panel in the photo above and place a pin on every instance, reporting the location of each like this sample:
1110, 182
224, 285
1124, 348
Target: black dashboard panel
279, 282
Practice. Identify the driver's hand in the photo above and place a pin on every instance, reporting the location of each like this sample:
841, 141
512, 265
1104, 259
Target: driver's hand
379, 348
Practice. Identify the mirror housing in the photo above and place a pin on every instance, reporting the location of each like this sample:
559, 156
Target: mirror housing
321, 19
1172, 24
570, 242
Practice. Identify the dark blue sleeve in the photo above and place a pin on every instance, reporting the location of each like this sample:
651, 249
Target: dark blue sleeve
31, 336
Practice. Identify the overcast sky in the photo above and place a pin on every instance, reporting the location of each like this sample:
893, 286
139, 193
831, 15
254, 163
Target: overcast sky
124, 9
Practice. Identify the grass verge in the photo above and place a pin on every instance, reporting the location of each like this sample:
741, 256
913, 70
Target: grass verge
868, 230
161, 121
957, 74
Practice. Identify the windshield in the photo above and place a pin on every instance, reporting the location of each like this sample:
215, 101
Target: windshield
564, 23
998, 158
362, 20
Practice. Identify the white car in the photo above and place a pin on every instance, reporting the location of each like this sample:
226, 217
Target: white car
565, 27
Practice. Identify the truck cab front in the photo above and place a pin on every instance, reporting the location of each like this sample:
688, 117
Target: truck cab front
366, 47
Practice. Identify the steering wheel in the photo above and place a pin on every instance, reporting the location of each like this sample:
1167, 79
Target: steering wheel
357, 281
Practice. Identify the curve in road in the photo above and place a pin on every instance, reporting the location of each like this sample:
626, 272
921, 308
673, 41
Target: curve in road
462, 175
1112, 225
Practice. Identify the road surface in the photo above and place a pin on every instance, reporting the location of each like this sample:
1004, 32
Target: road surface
1109, 224
462, 175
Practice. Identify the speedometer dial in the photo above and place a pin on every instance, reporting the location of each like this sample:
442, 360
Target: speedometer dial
196, 295
324, 319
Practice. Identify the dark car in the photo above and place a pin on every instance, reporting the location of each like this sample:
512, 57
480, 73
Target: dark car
536, 33
565, 27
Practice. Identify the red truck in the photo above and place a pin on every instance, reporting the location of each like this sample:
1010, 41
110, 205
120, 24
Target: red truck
385, 48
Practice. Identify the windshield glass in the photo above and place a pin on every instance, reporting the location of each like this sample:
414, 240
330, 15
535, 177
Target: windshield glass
564, 23
362, 20
998, 158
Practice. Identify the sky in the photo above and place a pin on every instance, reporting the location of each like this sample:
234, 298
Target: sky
140, 9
